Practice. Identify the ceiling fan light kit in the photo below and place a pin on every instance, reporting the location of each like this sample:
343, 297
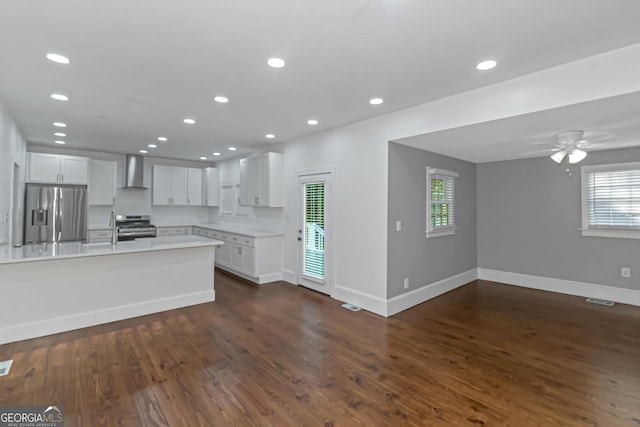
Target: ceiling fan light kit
570, 143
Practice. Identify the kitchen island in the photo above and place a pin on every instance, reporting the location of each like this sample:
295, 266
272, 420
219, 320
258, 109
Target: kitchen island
56, 287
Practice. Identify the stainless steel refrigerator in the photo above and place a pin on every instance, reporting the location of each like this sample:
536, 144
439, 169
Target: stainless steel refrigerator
55, 213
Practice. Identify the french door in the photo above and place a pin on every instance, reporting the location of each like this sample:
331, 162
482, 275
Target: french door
314, 232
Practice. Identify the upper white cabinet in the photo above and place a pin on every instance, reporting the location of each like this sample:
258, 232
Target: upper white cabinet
103, 182
261, 180
57, 169
194, 187
211, 187
173, 185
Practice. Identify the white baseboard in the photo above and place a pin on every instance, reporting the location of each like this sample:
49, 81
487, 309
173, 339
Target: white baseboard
569, 287
368, 302
290, 277
82, 320
260, 280
268, 278
402, 302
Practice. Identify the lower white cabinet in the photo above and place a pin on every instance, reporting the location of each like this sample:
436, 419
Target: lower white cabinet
258, 259
173, 231
99, 236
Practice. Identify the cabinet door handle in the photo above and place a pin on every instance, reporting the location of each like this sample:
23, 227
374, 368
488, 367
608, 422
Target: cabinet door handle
62, 178
256, 202
114, 200
188, 201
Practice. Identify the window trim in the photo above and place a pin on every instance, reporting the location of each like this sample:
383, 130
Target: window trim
234, 213
602, 232
446, 230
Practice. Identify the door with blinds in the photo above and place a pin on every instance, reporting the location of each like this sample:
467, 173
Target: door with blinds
313, 232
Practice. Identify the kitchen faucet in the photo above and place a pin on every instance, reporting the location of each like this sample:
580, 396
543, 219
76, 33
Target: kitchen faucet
114, 229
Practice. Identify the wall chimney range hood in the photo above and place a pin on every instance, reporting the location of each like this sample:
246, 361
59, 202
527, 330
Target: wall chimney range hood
134, 172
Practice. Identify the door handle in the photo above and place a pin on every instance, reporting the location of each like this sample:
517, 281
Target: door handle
299, 239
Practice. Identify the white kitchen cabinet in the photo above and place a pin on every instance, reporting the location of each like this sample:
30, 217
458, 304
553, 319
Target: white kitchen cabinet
172, 186
194, 187
261, 180
173, 231
223, 255
57, 169
258, 259
236, 256
103, 178
211, 187
161, 185
99, 236
248, 261
179, 183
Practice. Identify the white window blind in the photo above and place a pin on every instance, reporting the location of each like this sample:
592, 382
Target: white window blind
611, 200
440, 202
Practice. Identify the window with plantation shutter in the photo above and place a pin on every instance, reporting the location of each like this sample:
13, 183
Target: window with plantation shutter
611, 200
440, 202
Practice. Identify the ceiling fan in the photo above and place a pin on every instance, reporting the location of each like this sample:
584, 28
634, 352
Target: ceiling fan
570, 143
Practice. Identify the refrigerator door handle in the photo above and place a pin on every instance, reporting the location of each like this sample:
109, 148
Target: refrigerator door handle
59, 213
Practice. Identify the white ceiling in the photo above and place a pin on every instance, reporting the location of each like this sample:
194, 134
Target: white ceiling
607, 123
147, 64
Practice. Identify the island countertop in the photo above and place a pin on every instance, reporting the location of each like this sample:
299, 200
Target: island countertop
49, 251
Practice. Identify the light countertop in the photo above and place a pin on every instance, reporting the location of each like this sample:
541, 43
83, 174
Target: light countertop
243, 230
49, 251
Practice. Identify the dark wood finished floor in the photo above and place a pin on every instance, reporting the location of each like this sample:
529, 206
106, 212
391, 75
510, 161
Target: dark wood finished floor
279, 355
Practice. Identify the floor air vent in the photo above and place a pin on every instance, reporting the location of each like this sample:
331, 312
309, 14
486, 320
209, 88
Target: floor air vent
351, 307
601, 302
5, 367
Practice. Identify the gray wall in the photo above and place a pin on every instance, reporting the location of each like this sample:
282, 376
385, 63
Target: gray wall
410, 254
529, 213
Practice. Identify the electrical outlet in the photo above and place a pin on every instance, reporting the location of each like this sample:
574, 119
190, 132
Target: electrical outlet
625, 272
398, 225
406, 282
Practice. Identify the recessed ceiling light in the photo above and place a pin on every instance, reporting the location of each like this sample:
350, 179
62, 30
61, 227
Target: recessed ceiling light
203, 158
232, 148
221, 99
312, 122
162, 138
144, 151
276, 62
189, 121
376, 101
486, 65
60, 142
59, 97
57, 58
60, 125
152, 146
60, 134
216, 154
269, 136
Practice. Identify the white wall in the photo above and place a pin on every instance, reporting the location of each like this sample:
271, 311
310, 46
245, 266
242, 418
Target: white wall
135, 201
12, 151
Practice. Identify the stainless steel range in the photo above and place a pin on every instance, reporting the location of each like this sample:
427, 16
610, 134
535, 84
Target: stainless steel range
134, 227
